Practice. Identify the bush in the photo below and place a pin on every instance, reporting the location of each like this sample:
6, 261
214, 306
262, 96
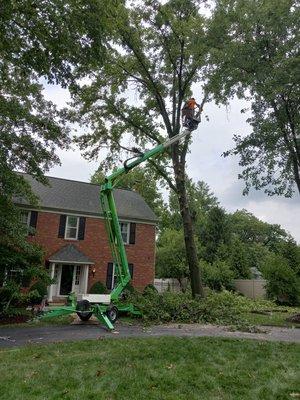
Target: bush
217, 276
98, 288
9, 297
37, 291
283, 284
149, 289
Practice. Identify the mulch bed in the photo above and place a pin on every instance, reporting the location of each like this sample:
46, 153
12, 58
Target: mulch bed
17, 319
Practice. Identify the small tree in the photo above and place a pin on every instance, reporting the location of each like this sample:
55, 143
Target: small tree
283, 284
171, 257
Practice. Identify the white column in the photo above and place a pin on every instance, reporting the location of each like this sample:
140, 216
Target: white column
50, 287
85, 276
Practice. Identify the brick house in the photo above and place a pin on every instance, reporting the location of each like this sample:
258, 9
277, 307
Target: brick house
69, 226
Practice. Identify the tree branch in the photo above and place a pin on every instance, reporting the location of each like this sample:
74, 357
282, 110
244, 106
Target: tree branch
164, 174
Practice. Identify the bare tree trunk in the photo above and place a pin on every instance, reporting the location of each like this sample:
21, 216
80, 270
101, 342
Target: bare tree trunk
188, 228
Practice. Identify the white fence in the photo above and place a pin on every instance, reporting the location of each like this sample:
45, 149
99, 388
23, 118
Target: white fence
252, 288
168, 284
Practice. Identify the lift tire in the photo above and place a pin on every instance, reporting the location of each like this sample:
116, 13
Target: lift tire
112, 313
84, 315
83, 310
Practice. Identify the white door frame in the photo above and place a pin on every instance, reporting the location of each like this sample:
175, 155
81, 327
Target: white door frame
54, 289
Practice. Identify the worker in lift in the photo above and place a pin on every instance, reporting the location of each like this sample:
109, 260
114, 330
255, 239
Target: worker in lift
188, 112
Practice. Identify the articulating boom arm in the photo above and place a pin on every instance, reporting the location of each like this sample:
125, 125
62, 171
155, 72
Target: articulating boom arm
111, 217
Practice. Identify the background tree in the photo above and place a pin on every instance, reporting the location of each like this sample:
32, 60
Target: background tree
256, 56
143, 181
200, 198
214, 233
171, 257
39, 39
155, 52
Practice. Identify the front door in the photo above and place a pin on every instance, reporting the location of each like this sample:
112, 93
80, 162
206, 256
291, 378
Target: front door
66, 281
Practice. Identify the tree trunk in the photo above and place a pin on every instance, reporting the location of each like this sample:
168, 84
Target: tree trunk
188, 229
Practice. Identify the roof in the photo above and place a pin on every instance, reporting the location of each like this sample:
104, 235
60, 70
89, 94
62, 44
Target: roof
65, 195
70, 253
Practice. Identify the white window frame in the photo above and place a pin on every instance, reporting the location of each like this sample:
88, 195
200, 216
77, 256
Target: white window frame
128, 231
77, 227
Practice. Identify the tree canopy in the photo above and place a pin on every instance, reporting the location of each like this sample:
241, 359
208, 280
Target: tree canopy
256, 57
155, 52
143, 181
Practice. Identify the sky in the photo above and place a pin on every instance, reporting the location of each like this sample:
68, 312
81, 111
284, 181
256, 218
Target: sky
204, 162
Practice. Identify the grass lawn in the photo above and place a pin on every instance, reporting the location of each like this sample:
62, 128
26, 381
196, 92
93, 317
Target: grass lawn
272, 319
154, 368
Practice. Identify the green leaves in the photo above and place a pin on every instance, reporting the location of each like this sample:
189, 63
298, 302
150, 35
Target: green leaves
256, 57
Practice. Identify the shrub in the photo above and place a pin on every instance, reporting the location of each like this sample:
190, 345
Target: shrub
283, 284
149, 289
129, 288
38, 291
217, 276
9, 297
98, 288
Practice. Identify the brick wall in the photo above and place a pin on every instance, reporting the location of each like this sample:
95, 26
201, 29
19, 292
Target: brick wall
95, 246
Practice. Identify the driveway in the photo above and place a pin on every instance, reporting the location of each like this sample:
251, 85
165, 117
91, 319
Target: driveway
14, 336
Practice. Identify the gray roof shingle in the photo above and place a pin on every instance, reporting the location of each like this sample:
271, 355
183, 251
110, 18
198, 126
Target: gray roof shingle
70, 253
65, 195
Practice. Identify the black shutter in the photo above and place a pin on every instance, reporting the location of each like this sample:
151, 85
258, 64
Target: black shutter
130, 267
33, 222
109, 275
132, 233
81, 228
62, 226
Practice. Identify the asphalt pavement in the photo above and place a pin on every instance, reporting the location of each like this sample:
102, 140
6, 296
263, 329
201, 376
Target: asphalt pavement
20, 336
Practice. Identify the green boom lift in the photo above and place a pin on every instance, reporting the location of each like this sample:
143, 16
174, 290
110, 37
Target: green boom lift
106, 307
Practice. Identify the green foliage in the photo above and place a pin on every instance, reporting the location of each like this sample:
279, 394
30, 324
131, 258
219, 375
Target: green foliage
220, 308
149, 289
98, 288
239, 259
214, 233
38, 291
217, 276
201, 199
251, 230
142, 180
170, 256
283, 284
160, 49
256, 58
18, 268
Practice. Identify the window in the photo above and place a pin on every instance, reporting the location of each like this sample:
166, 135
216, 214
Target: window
71, 227
77, 274
125, 231
29, 220
25, 218
14, 275
72, 224
112, 275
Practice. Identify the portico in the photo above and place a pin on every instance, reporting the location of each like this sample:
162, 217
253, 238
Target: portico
69, 268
